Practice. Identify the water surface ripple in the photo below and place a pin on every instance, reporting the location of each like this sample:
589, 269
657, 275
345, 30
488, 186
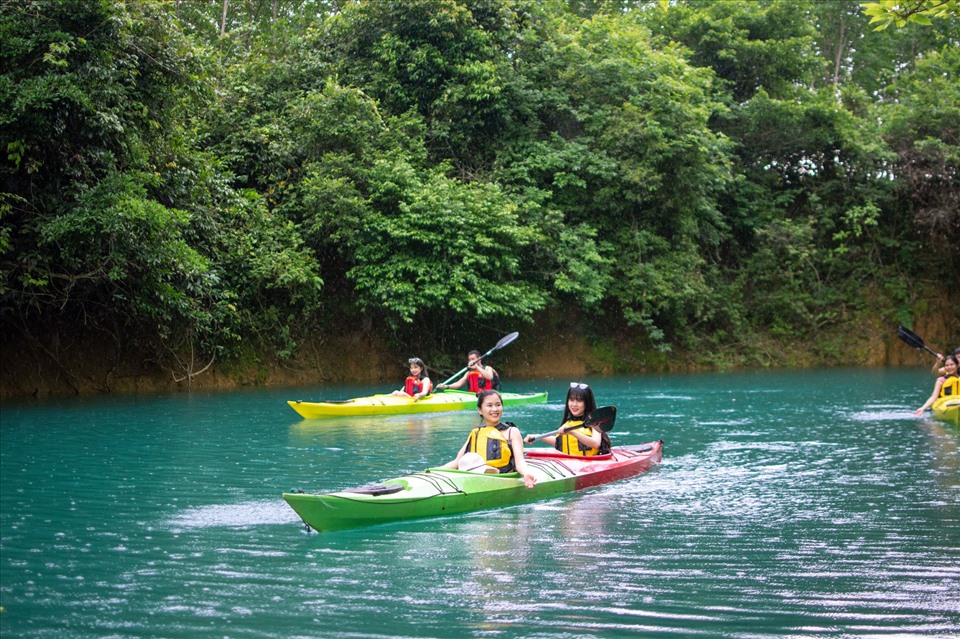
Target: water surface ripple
789, 504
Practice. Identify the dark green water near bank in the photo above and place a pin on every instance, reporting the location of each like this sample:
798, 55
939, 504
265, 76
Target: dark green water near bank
801, 504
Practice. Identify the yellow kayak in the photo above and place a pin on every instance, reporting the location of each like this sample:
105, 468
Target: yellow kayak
396, 405
947, 409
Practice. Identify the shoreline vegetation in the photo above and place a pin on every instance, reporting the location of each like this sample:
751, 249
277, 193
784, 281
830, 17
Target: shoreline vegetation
94, 367
199, 194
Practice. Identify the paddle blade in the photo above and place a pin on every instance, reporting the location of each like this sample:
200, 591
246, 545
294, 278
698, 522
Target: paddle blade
506, 339
912, 339
603, 417
909, 337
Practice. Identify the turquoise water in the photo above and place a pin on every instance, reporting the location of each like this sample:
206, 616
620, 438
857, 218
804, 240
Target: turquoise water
788, 504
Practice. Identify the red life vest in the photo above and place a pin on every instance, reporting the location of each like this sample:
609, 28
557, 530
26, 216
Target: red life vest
413, 385
477, 382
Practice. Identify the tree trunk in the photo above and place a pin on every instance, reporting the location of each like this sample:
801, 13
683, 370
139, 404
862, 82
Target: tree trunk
841, 45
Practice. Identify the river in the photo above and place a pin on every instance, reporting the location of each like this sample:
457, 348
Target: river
788, 504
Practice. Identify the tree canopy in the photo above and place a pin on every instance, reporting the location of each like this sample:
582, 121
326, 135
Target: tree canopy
199, 177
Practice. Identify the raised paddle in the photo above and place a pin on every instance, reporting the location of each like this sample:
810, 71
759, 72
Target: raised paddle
602, 417
506, 339
914, 340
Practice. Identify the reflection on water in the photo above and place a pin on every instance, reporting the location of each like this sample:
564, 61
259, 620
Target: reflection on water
808, 504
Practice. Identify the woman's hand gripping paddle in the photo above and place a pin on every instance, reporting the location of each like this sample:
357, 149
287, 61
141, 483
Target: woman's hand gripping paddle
603, 417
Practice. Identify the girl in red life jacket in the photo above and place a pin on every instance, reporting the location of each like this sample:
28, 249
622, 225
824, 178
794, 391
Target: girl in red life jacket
479, 377
417, 384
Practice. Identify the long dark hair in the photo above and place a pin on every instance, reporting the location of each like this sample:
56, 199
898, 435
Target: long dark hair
423, 367
956, 360
582, 392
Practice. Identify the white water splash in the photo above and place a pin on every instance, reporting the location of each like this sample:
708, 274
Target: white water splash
251, 513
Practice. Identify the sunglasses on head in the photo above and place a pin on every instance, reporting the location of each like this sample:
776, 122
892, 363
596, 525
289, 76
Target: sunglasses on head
415, 360
578, 385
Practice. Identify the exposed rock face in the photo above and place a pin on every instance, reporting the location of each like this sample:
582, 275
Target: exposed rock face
97, 363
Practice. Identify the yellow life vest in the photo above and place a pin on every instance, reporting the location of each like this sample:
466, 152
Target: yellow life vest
950, 387
570, 445
490, 443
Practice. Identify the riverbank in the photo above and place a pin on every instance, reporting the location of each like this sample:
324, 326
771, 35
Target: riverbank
89, 363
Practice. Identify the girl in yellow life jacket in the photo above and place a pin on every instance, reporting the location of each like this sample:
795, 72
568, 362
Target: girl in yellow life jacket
499, 444
417, 384
572, 438
946, 386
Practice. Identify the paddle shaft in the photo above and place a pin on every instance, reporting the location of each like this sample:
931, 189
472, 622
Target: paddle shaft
507, 339
602, 418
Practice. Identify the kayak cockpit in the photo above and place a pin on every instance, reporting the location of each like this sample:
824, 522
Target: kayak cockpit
376, 489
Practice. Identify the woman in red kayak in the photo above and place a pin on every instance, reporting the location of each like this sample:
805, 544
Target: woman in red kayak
574, 439
499, 444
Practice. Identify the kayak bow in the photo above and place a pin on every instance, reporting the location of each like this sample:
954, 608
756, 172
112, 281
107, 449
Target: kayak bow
442, 491
947, 409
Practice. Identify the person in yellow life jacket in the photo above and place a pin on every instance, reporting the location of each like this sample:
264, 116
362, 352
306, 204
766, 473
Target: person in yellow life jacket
479, 377
500, 444
938, 368
946, 386
573, 438
417, 384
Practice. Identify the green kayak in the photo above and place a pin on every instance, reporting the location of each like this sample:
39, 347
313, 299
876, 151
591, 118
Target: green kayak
440, 491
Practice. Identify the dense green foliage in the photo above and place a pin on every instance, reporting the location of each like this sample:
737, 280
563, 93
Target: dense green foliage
198, 175
901, 12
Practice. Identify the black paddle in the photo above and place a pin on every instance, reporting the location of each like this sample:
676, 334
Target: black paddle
507, 339
602, 417
914, 340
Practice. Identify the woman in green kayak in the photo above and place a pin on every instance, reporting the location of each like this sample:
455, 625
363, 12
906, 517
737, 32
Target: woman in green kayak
500, 444
572, 438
